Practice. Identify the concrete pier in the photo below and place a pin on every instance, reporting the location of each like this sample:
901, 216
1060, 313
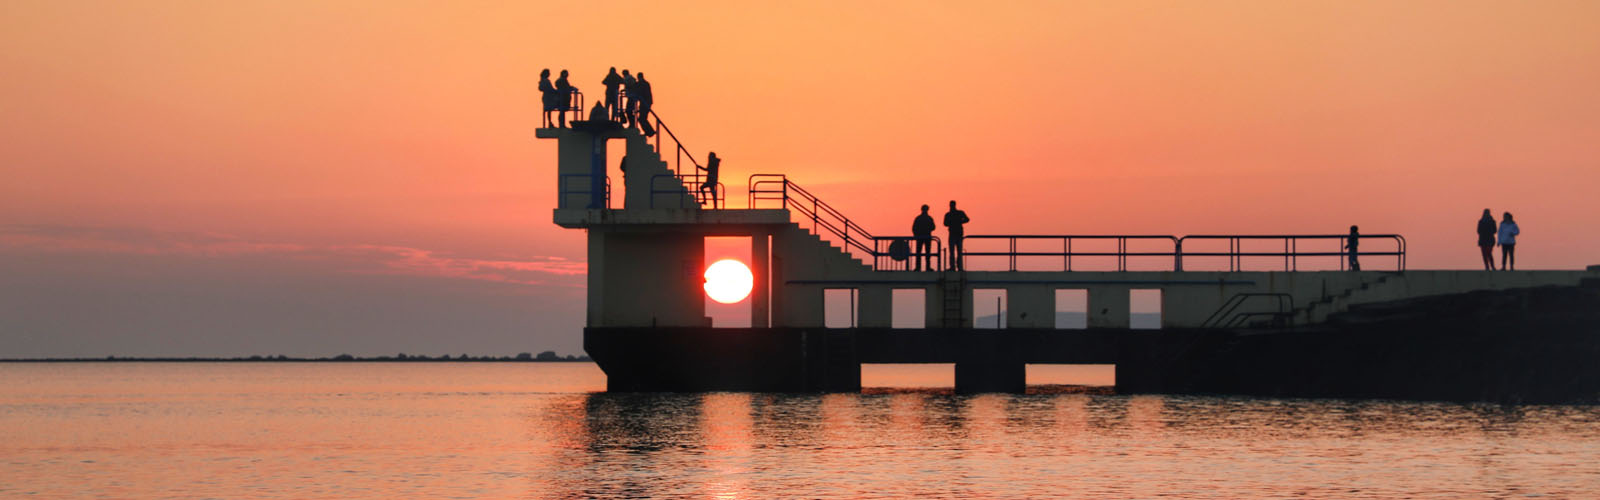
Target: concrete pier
1233, 331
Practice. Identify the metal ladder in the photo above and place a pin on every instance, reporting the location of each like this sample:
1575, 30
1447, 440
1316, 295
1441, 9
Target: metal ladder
953, 285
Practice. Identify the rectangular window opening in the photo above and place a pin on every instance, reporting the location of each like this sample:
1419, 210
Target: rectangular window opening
1144, 309
615, 150
909, 308
839, 307
1072, 309
731, 315
989, 308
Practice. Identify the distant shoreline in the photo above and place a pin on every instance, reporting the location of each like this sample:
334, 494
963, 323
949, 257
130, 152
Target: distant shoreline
335, 359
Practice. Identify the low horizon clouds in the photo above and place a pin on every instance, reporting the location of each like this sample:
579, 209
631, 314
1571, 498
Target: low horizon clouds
350, 258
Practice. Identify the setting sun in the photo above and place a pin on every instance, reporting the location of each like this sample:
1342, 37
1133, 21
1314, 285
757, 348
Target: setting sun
728, 281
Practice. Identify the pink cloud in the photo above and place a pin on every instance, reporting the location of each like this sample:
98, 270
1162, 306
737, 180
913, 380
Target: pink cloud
357, 259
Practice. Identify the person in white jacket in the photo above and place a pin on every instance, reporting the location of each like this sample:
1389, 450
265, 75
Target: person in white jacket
1508, 243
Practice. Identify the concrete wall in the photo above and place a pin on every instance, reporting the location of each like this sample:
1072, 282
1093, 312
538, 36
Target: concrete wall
646, 279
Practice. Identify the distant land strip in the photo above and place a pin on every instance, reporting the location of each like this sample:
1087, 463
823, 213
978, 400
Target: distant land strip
543, 357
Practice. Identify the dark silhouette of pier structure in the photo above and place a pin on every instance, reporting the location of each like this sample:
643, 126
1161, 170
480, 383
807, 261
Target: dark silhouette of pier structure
1257, 325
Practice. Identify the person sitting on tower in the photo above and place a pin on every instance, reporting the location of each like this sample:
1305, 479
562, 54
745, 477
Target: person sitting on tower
922, 231
713, 165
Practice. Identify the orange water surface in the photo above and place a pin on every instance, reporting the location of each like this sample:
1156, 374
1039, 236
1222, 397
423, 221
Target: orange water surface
545, 430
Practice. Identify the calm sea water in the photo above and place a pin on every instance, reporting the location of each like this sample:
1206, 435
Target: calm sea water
447, 430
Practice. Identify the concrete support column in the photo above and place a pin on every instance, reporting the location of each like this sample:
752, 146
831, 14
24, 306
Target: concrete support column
975, 377
759, 265
597, 279
875, 307
987, 363
1108, 307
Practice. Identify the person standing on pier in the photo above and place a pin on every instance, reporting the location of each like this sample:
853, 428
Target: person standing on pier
646, 100
954, 220
922, 231
564, 89
1508, 243
713, 166
1353, 243
629, 90
1486, 234
613, 83
548, 96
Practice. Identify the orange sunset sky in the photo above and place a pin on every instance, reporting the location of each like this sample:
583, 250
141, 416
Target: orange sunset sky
310, 178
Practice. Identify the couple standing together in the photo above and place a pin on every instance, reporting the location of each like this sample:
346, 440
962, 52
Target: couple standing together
922, 232
1505, 235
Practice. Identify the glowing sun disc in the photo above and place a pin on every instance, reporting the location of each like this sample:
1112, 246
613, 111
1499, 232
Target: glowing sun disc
728, 281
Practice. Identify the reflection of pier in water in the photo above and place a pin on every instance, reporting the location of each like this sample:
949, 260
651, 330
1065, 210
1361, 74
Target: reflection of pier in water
755, 445
1223, 327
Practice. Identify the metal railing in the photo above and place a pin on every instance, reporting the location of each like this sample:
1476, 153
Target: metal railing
677, 189
770, 188
1182, 248
586, 190
574, 105
1067, 251
1291, 253
884, 260
777, 191
692, 179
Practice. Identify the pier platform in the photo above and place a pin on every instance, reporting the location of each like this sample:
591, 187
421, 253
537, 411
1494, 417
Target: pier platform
1258, 325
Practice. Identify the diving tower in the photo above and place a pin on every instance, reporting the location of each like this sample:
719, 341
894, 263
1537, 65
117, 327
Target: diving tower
1224, 330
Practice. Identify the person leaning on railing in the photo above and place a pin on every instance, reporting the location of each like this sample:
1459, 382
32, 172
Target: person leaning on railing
712, 168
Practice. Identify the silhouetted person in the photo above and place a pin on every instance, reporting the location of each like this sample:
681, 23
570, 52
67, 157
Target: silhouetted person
713, 165
548, 96
646, 100
954, 220
629, 90
565, 89
613, 83
599, 120
1486, 234
922, 231
1352, 244
1508, 243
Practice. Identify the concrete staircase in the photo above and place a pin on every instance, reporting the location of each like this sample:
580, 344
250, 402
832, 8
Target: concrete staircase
804, 244
1377, 290
650, 180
